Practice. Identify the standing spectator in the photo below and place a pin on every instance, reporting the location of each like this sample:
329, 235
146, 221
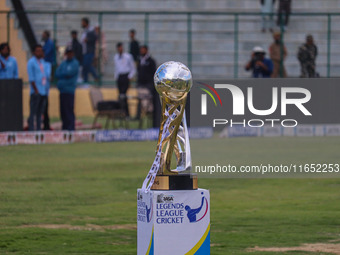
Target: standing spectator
134, 45
262, 67
283, 10
146, 69
48, 47
267, 9
307, 54
48, 68
67, 74
88, 39
101, 51
76, 46
146, 90
77, 51
38, 76
8, 64
124, 71
50, 57
277, 57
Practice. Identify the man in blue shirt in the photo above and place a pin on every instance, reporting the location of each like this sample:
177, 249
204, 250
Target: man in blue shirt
50, 57
88, 40
67, 75
39, 74
48, 68
8, 64
262, 67
48, 47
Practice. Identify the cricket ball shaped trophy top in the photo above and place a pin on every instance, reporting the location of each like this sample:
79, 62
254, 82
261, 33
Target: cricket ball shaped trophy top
173, 81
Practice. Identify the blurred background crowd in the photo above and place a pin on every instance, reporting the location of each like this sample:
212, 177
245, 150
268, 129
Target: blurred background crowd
99, 56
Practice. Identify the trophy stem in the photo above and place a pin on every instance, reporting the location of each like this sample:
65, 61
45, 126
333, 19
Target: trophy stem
169, 144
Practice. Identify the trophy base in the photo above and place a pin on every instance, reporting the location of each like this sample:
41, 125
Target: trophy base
175, 182
173, 222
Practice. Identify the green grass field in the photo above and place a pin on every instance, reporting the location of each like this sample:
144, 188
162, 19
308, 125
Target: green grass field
81, 198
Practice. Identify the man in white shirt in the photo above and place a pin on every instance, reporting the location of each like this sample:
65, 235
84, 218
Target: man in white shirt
124, 71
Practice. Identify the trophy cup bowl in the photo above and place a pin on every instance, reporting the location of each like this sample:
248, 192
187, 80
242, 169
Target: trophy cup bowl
173, 80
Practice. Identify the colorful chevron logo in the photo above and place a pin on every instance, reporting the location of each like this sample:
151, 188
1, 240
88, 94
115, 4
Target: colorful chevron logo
211, 92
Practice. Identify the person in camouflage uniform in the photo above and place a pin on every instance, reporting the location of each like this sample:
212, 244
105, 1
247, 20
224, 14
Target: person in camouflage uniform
275, 56
307, 54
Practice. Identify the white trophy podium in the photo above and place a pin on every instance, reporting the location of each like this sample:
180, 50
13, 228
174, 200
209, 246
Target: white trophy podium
174, 222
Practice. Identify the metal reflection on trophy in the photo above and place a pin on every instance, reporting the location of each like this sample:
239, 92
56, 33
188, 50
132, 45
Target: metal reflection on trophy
173, 81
